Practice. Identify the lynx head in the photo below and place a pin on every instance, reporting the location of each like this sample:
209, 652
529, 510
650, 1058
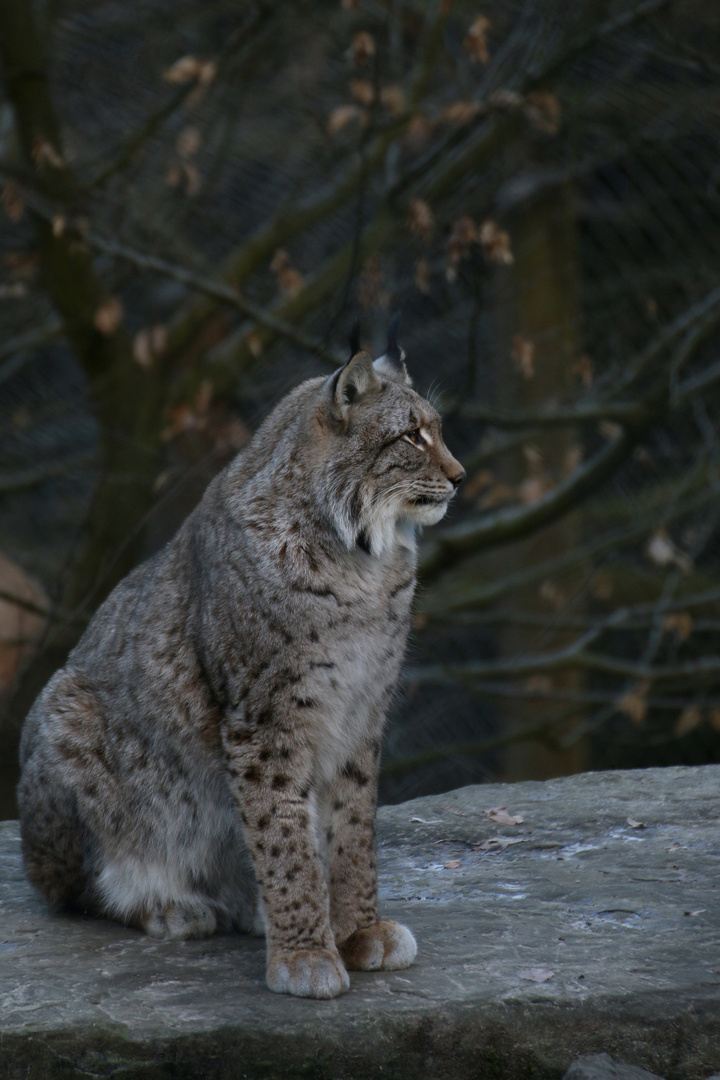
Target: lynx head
387, 465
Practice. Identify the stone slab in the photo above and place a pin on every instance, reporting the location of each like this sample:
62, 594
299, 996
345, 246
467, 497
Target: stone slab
592, 926
603, 1067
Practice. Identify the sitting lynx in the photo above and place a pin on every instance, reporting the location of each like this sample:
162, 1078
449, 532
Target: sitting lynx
209, 755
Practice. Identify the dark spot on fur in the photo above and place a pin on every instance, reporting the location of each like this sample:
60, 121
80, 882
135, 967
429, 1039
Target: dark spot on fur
263, 822
274, 851
304, 703
402, 585
313, 635
280, 781
363, 543
265, 754
253, 774
356, 775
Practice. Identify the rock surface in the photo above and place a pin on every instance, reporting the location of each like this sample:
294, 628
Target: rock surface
602, 1067
591, 926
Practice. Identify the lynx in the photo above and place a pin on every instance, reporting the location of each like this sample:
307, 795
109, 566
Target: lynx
208, 757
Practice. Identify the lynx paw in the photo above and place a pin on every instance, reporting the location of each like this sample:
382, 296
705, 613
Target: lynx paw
386, 946
315, 973
185, 919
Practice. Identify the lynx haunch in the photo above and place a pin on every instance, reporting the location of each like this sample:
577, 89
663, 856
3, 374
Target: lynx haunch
208, 756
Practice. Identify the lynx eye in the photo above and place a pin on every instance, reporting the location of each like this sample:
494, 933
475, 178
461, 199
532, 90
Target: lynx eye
415, 437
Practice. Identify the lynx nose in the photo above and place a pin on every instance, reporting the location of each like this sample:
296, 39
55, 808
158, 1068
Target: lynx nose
458, 478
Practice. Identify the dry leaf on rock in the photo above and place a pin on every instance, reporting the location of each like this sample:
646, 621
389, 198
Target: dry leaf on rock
635, 824
452, 864
497, 843
536, 974
499, 814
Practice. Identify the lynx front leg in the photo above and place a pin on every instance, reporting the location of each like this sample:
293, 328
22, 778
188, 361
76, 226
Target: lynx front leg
272, 785
366, 942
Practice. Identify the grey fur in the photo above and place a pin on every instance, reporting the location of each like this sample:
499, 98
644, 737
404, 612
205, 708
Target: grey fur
208, 757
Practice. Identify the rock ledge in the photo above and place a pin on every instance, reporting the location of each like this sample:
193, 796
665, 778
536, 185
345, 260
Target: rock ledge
591, 926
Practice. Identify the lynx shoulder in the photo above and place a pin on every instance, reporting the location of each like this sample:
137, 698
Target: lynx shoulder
208, 756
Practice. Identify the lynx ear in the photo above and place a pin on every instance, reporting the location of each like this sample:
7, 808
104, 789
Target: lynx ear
352, 382
392, 361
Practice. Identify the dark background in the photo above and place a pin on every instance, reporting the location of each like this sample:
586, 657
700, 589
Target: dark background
197, 200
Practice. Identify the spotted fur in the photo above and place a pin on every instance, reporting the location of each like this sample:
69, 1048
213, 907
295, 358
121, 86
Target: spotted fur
208, 757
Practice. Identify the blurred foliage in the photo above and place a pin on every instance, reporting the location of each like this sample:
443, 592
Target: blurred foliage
198, 198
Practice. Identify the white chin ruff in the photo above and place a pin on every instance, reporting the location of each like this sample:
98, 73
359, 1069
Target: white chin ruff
427, 515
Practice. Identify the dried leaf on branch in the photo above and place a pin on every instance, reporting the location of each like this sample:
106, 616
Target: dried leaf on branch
362, 48
108, 316
475, 43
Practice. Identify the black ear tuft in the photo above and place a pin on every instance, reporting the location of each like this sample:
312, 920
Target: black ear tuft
393, 350
355, 338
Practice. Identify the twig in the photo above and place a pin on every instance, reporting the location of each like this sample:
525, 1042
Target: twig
151, 124
35, 475
28, 605
463, 596
26, 343
218, 291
